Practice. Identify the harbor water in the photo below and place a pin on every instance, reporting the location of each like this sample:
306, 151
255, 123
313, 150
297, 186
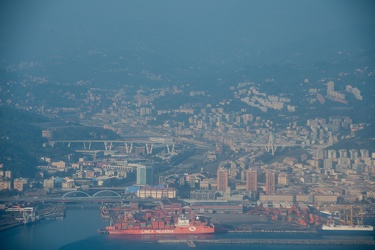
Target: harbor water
78, 230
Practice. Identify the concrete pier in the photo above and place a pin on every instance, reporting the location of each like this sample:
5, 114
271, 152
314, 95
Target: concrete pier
192, 243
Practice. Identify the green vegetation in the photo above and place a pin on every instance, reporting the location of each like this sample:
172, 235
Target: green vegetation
22, 144
84, 133
363, 139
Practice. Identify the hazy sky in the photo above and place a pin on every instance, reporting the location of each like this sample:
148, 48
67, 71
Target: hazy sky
181, 34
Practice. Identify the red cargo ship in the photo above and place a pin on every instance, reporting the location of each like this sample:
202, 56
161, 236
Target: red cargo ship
183, 226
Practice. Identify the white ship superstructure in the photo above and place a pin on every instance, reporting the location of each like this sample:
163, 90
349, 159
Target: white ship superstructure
332, 227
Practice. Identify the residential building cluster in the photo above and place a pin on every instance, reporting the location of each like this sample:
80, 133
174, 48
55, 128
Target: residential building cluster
319, 175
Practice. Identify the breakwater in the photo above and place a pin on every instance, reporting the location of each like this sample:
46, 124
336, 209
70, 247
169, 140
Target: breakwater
309, 231
272, 241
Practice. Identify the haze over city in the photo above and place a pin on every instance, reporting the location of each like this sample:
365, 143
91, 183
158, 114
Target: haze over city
187, 123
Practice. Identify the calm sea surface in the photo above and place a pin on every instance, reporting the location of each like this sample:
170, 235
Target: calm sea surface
79, 231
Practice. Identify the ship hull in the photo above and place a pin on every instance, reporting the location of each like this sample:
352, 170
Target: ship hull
347, 230
177, 230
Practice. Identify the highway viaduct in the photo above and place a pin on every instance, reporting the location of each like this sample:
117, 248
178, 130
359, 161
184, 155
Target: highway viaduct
126, 143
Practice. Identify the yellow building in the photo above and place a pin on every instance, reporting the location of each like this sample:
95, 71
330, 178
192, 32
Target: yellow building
205, 184
156, 193
323, 198
302, 198
49, 183
4, 184
59, 165
19, 183
276, 197
283, 179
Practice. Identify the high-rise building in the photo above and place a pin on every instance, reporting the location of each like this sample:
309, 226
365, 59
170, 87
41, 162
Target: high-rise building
353, 154
145, 175
252, 180
319, 154
192, 181
364, 153
270, 182
161, 180
222, 179
343, 153
330, 87
8, 174
182, 181
331, 154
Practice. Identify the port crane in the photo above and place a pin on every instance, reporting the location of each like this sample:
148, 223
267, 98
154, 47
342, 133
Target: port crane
348, 214
28, 213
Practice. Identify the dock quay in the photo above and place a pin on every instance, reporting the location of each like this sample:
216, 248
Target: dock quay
273, 231
192, 243
53, 212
